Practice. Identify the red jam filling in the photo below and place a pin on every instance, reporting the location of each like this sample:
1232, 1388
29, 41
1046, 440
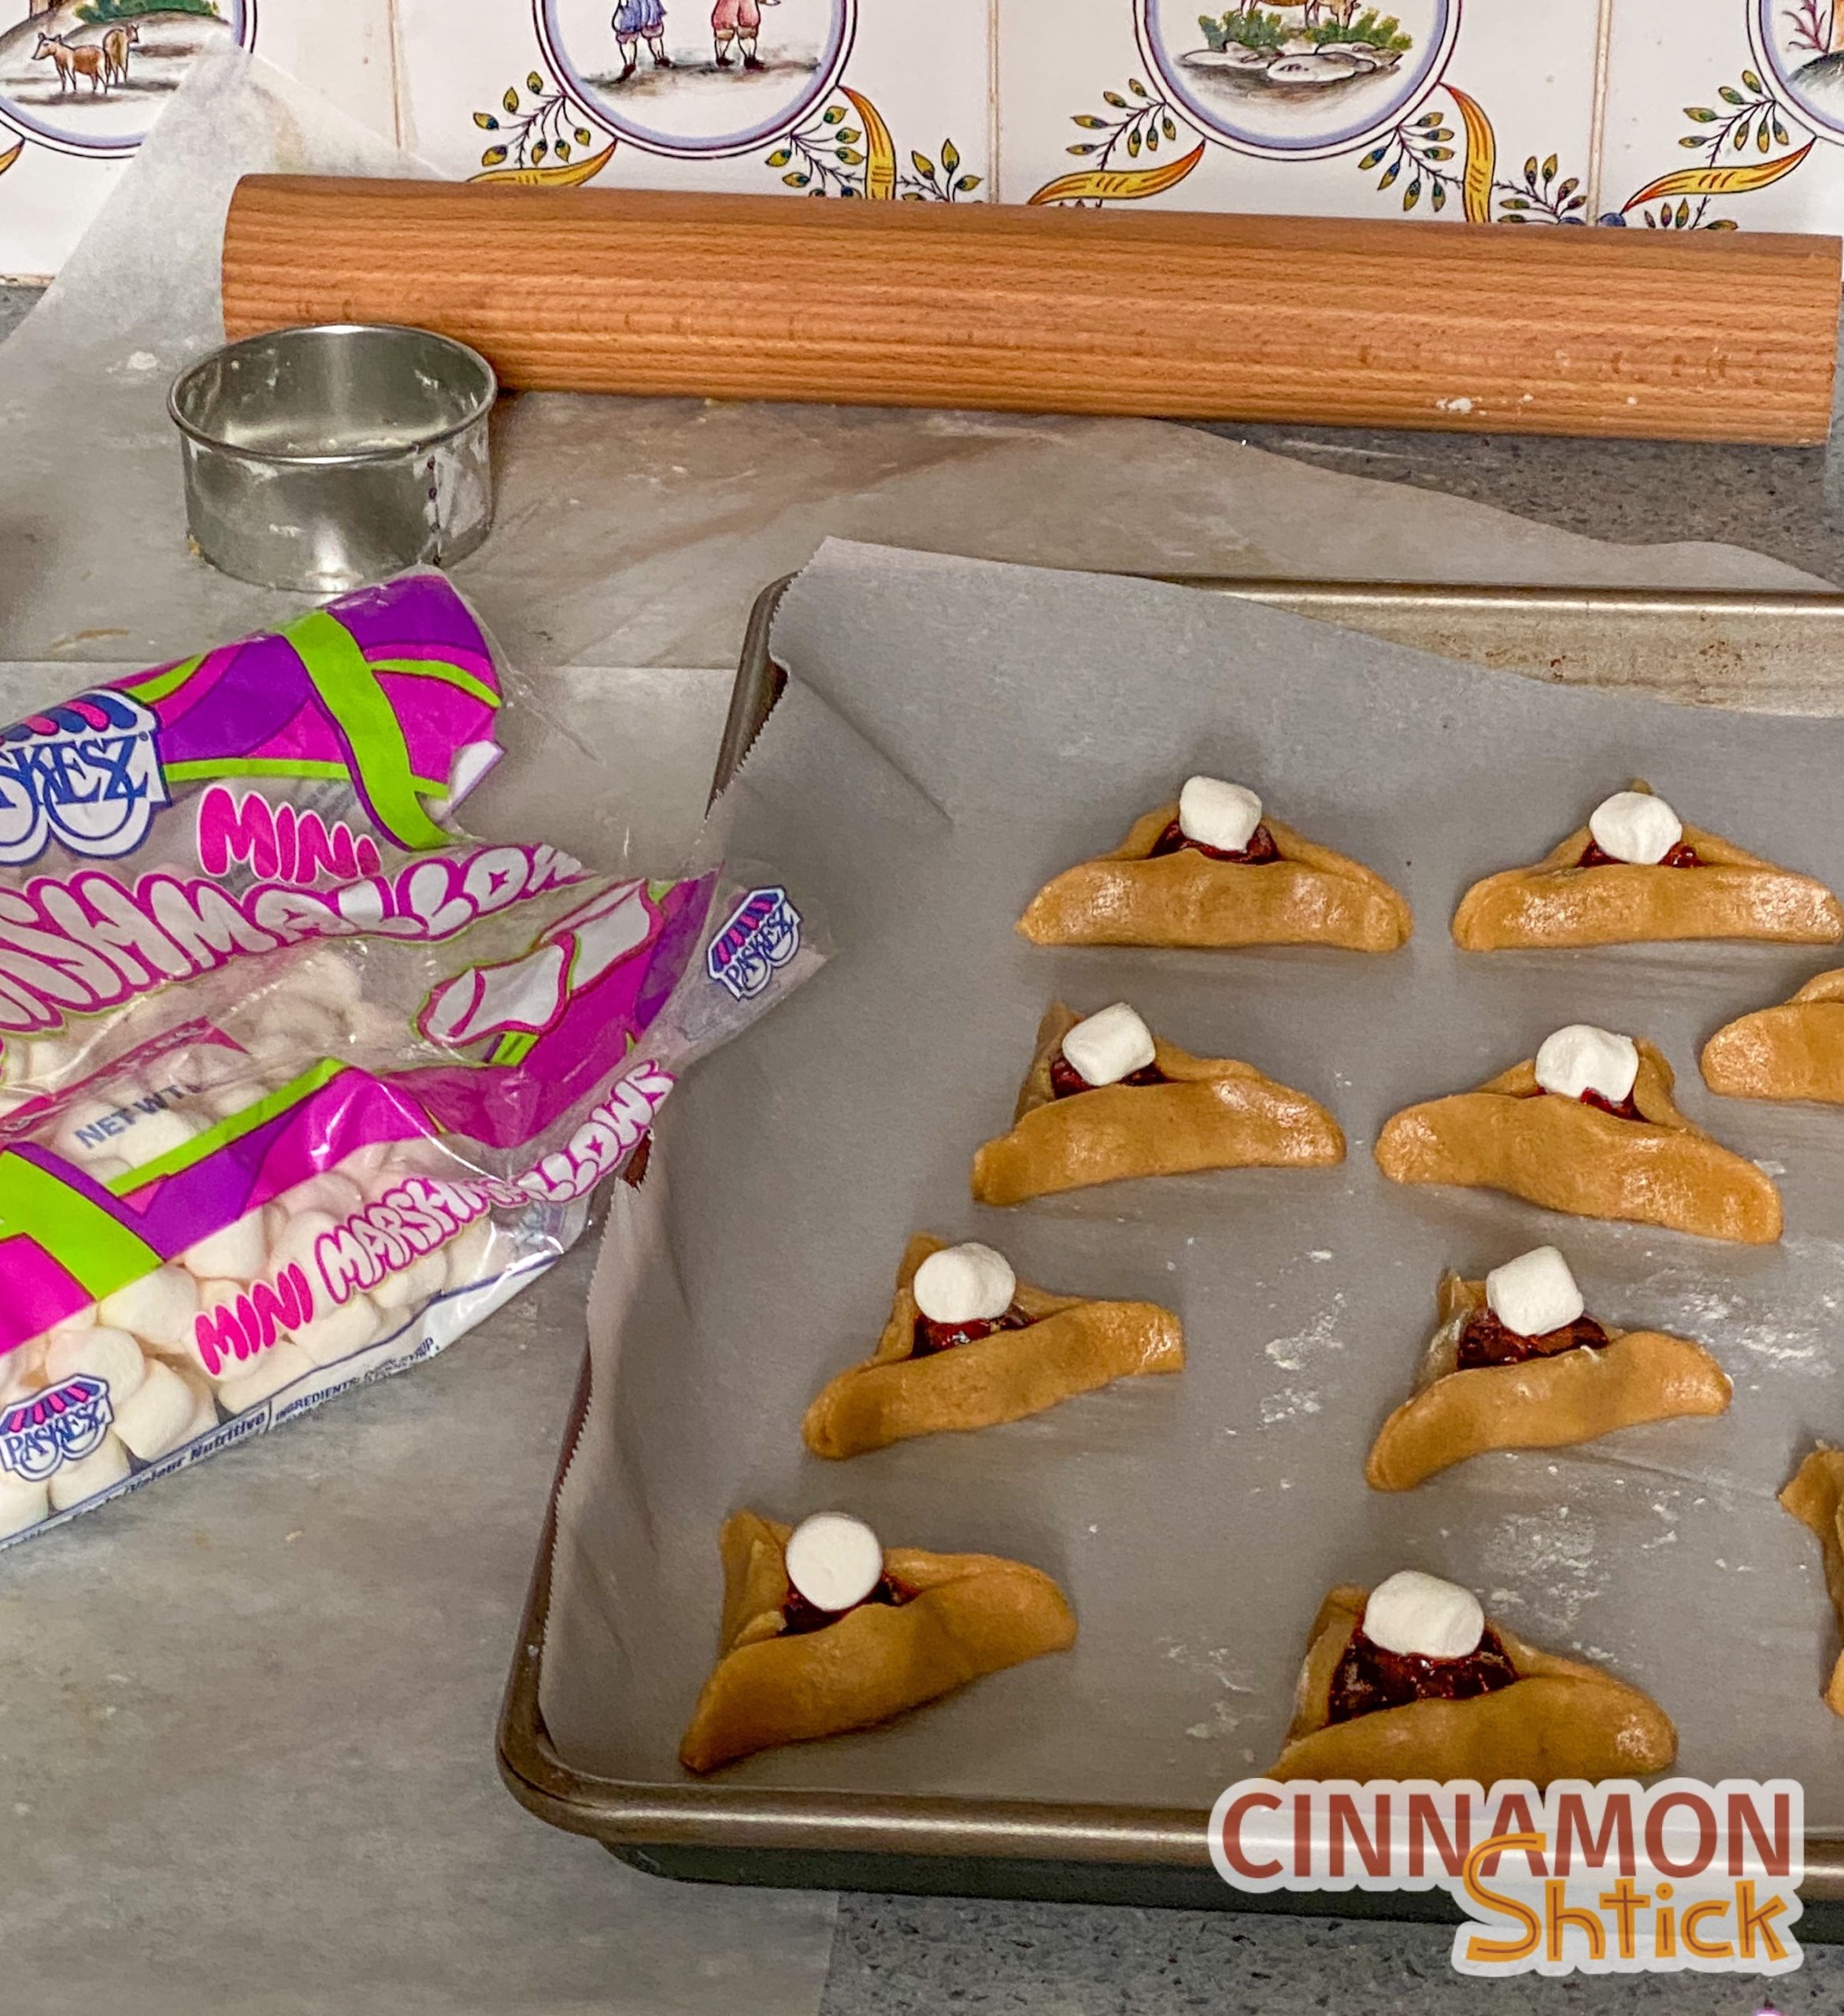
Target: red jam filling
1368, 1678
1627, 1109
1485, 1340
1066, 1081
932, 1337
1682, 855
1260, 850
798, 1616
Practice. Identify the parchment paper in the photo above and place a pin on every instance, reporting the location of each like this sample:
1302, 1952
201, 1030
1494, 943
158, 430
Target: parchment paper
959, 732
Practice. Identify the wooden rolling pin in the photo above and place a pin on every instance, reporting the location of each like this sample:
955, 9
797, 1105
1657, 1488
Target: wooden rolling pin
1698, 335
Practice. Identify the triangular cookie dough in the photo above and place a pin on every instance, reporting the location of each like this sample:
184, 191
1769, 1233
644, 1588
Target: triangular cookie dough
1726, 894
1549, 1402
956, 1617
1301, 894
1070, 1346
1558, 1718
1211, 1113
1815, 1499
1658, 1170
1792, 1051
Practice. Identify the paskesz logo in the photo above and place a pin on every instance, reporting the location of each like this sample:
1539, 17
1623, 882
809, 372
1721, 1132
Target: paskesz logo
86, 775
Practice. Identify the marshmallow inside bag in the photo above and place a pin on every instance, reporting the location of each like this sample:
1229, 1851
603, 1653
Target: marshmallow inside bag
410, 1287
833, 1560
1633, 825
292, 1237
1534, 1294
105, 1464
339, 1331
365, 1167
1218, 815
155, 1134
1424, 1616
41, 1063
332, 1191
465, 1256
332, 980
292, 1035
80, 1135
207, 1066
264, 1376
226, 1102
23, 1503
204, 1401
969, 1284
1107, 1046
239, 1253
112, 1356
158, 1309
1581, 1058
157, 1417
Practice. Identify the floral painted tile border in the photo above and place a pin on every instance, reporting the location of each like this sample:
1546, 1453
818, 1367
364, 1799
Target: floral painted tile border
1660, 114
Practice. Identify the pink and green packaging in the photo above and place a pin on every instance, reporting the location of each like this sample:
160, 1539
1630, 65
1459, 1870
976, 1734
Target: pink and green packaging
298, 1082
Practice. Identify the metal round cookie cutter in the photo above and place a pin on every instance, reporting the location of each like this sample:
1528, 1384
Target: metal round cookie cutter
325, 457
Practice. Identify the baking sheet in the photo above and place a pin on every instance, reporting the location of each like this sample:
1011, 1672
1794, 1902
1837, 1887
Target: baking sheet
956, 732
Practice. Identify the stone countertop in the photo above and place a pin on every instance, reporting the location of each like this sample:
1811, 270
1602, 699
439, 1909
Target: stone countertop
1770, 499
342, 1934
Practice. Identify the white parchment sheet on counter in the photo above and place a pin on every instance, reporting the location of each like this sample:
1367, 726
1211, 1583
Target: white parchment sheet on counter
959, 731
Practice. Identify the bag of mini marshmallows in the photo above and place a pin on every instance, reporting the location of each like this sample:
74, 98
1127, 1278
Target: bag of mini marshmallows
298, 1082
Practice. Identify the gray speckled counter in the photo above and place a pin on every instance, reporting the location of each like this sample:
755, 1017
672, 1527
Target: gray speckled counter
1772, 499
427, 1911
904, 1956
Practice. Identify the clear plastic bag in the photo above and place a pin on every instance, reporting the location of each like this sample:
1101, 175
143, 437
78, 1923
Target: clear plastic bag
298, 1082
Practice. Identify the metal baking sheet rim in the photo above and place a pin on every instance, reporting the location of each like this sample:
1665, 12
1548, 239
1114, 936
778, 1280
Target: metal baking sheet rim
620, 1813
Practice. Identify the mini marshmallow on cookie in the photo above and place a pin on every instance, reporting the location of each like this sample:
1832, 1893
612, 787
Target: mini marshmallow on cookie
1109, 1045
1534, 1294
1633, 826
1418, 1616
1219, 815
833, 1560
968, 1283
1581, 1059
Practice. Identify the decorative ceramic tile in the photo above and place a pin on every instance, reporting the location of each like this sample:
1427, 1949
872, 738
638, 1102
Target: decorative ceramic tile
1725, 114
81, 82
805, 97
1437, 105
1671, 113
